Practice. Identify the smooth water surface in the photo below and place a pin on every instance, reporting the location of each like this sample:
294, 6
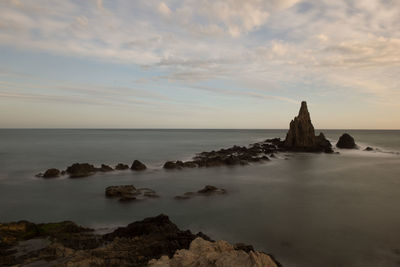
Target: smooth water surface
306, 209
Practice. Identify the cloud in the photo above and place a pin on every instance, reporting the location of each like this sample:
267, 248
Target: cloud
264, 45
164, 10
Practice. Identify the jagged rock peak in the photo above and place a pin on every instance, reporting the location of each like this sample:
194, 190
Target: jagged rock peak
301, 134
303, 112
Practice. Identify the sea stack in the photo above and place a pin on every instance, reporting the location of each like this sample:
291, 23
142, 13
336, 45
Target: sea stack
346, 141
301, 134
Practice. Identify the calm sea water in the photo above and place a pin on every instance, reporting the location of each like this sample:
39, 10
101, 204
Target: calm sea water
310, 210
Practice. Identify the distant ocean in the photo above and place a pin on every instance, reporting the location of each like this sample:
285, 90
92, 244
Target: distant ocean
309, 210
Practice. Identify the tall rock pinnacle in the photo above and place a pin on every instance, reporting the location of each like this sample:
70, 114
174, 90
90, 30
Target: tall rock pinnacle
301, 134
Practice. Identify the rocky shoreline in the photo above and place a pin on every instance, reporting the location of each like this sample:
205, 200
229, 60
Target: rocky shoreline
154, 241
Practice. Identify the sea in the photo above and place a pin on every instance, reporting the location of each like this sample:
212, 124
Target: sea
306, 209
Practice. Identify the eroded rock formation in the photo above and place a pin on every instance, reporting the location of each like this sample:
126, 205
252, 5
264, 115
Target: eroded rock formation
203, 253
301, 134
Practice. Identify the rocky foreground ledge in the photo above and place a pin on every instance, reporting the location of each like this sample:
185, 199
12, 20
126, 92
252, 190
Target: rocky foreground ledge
155, 241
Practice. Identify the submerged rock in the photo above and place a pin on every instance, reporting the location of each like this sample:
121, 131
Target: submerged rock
121, 166
203, 253
346, 141
127, 193
138, 166
368, 148
78, 170
206, 191
209, 189
301, 134
52, 173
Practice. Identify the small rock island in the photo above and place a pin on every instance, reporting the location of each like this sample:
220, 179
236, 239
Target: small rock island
301, 135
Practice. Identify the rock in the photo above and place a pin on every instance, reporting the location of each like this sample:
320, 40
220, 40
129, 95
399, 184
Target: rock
244, 247
189, 164
346, 141
127, 193
65, 232
78, 170
301, 134
187, 195
138, 166
170, 165
119, 190
275, 141
206, 191
368, 148
51, 173
209, 189
105, 168
323, 145
121, 166
67, 244
202, 253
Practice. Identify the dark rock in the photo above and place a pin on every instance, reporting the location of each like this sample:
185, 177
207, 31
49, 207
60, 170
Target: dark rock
119, 190
127, 193
187, 195
105, 168
189, 164
78, 170
368, 148
322, 144
70, 244
276, 141
121, 166
138, 166
231, 160
301, 135
346, 141
206, 191
170, 165
209, 189
51, 173
244, 247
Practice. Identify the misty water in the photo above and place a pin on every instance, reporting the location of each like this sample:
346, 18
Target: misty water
305, 209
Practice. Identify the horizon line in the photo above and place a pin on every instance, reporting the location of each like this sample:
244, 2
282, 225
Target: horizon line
123, 128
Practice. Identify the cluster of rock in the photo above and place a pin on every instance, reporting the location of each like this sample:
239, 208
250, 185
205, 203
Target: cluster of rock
125, 193
208, 190
300, 138
203, 253
79, 170
67, 244
129, 193
235, 155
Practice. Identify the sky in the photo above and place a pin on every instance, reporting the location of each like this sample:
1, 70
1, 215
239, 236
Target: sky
199, 63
